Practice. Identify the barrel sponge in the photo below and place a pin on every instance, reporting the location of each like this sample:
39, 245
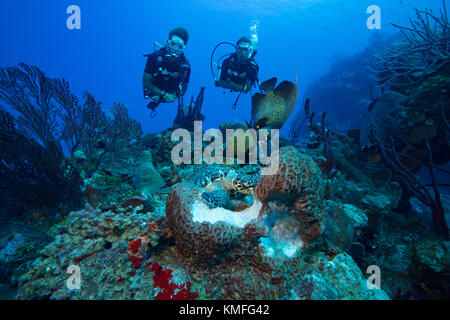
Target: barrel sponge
205, 236
298, 187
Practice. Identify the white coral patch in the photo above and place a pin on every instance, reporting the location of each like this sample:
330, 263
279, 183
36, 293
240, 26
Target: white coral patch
276, 249
202, 213
284, 238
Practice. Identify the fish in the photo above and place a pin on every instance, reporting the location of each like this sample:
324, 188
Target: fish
272, 108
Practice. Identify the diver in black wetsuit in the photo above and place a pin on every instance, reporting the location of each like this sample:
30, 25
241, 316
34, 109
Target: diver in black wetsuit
167, 71
239, 72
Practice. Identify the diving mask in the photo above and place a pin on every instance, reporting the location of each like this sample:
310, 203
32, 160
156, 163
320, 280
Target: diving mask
176, 44
244, 50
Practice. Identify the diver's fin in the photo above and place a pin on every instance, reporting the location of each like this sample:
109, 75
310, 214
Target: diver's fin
256, 102
269, 84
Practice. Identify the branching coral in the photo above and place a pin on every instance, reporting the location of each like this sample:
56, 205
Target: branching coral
83, 125
29, 92
49, 112
187, 114
424, 51
119, 139
413, 185
104, 140
34, 176
50, 118
318, 135
386, 117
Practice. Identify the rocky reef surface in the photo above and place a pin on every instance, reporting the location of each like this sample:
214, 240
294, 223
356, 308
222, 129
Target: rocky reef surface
299, 235
268, 246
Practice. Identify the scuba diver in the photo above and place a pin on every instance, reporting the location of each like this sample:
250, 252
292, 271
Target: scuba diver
167, 71
239, 71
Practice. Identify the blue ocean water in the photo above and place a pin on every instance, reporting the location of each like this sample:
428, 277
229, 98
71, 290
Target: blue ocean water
105, 56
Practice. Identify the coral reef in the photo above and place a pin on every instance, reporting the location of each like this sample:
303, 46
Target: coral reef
423, 52
271, 248
37, 174
187, 114
34, 176
311, 229
241, 254
201, 239
408, 124
146, 178
410, 120
297, 186
113, 244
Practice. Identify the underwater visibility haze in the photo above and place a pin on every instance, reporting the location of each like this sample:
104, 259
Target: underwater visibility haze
241, 149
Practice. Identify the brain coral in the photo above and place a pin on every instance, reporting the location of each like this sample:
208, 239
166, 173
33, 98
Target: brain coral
207, 235
204, 235
298, 188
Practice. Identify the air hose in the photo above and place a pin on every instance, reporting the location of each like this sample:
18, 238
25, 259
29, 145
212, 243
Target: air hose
214, 51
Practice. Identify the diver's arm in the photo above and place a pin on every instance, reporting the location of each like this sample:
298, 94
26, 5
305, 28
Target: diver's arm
232, 85
151, 67
226, 68
147, 83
